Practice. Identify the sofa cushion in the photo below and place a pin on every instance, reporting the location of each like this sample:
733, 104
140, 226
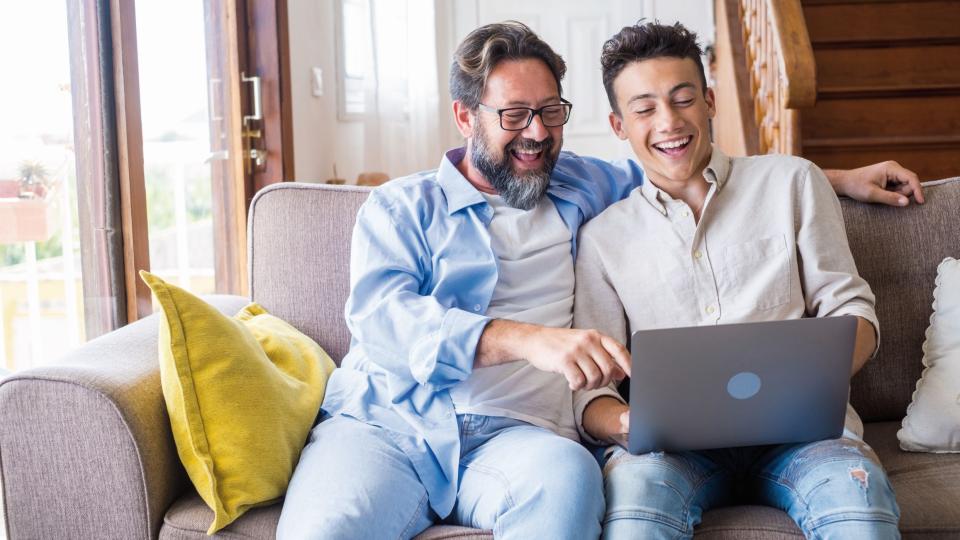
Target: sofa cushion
242, 394
927, 485
897, 251
187, 518
933, 417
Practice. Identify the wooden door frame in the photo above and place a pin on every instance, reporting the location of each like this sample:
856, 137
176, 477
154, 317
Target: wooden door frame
261, 35
264, 35
133, 203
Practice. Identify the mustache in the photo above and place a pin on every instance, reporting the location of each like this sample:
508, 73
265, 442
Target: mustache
531, 145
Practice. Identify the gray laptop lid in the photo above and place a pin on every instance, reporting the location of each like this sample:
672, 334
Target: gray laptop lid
740, 384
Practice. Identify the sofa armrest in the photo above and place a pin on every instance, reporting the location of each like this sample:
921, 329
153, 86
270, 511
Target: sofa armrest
86, 449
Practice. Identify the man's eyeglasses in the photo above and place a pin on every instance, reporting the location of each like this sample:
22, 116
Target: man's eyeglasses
518, 118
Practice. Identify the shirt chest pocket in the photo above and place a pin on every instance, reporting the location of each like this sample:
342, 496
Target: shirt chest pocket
754, 275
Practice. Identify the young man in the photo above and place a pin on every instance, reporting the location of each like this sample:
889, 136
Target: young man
709, 239
455, 400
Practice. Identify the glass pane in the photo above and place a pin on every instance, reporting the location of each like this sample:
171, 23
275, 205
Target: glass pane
176, 141
40, 272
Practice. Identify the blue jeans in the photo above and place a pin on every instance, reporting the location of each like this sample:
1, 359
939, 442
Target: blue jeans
518, 480
831, 489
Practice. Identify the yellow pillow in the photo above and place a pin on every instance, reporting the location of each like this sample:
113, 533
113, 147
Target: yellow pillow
242, 394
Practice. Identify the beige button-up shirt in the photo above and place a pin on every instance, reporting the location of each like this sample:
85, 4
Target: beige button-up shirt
770, 245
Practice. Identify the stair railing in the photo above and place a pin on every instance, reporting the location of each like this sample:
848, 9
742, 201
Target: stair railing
781, 69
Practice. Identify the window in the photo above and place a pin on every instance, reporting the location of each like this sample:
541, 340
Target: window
372, 57
40, 268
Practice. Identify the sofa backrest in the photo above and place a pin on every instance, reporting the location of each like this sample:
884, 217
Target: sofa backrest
299, 260
299, 257
897, 251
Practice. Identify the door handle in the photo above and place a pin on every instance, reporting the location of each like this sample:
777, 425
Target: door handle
255, 97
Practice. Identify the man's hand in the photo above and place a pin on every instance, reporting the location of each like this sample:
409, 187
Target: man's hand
605, 417
586, 358
885, 183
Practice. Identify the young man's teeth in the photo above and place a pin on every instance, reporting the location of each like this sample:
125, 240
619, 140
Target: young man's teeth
674, 144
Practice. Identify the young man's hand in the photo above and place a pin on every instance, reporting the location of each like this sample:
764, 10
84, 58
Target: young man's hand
605, 417
885, 183
586, 358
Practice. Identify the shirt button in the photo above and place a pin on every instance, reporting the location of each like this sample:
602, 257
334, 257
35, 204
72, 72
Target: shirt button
710, 310
476, 307
685, 213
697, 254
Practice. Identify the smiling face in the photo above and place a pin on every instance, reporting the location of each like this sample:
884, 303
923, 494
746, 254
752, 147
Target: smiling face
518, 164
665, 114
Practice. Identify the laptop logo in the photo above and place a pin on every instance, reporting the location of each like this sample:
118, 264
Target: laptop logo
743, 385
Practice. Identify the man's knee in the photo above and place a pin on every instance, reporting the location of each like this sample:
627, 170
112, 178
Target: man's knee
568, 473
649, 495
353, 482
647, 479
842, 479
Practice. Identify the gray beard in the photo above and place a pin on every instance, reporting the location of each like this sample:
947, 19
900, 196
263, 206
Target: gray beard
521, 191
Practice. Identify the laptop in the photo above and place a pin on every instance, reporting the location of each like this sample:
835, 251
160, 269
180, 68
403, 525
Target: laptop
736, 385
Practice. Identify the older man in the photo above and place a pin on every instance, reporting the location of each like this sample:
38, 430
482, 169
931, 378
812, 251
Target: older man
454, 402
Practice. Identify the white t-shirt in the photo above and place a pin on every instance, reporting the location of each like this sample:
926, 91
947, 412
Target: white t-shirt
535, 285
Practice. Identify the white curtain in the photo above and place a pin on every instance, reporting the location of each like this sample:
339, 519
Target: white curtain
401, 131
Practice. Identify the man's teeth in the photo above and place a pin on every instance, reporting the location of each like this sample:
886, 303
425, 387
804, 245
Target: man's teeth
530, 152
673, 144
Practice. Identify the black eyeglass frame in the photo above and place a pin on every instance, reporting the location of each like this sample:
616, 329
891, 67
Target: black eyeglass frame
530, 114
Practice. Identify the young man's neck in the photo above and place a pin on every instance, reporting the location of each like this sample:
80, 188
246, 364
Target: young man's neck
692, 191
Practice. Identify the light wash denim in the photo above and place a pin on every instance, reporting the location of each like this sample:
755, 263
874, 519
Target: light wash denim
833, 489
422, 275
516, 479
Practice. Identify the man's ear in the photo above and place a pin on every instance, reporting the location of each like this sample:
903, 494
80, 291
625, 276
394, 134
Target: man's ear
711, 100
464, 119
616, 122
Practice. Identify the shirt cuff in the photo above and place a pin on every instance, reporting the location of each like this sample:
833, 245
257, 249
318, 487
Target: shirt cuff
583, 398
866, 313
445, 357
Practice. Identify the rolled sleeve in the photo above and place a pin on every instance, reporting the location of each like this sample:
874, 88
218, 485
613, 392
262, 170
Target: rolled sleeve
583, 398
596, 306
446, 356
831, 283
405, 331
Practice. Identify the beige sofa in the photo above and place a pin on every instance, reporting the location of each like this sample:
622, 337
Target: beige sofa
86, 450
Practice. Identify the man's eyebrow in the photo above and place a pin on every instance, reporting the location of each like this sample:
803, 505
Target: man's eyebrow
548, 101
673, 90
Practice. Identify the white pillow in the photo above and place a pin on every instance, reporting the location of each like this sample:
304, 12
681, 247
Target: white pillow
932, 423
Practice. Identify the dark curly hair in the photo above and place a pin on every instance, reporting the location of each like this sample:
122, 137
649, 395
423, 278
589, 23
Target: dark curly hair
644, 41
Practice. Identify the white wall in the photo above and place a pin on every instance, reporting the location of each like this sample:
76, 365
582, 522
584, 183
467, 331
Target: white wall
320, 140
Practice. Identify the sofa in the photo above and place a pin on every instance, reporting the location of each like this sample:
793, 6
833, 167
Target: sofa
86, 449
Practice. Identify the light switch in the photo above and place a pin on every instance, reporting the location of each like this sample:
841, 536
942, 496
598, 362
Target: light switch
316, 82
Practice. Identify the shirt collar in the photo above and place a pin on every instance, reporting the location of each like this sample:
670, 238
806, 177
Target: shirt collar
459, 191
716, 172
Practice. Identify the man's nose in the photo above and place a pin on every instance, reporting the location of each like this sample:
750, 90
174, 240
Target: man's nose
536, 130
668, 120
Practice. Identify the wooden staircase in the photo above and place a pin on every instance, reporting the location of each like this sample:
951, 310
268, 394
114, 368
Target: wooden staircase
887, 80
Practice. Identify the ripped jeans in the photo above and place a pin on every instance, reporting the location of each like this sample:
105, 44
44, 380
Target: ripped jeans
831, 489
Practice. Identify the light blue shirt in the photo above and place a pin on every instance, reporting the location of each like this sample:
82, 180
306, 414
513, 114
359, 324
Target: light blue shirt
421, 277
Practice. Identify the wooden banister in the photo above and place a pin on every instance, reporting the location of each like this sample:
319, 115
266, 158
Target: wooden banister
782, 71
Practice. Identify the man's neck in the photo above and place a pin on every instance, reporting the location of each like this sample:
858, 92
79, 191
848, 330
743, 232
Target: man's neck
474, 176
692, 191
